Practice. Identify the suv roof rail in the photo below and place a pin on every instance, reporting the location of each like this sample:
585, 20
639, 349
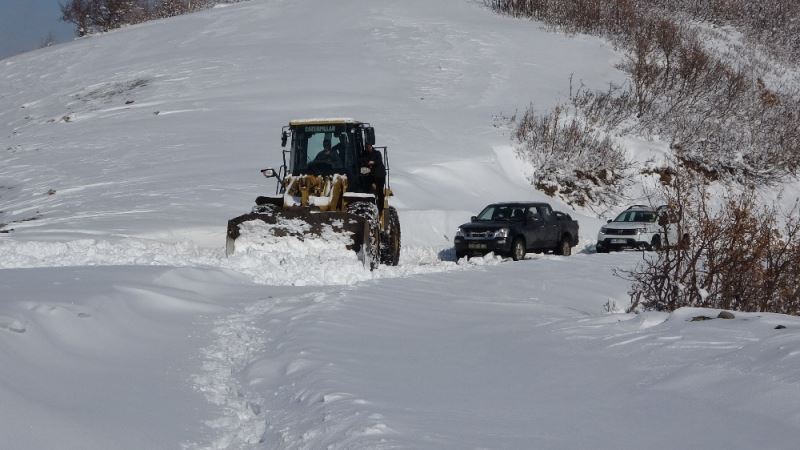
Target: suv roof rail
639, 206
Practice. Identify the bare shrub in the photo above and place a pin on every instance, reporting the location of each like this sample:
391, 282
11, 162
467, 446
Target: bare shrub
725, 125
737, 256
570, 158
644, 70
607, 109
92, 16
771, 24
775, 23
77, 12
169, 8
718, 117
668, 38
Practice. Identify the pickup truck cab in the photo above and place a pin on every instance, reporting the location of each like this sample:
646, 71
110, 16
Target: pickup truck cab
514, 229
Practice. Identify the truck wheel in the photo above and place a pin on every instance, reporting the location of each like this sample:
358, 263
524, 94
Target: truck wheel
564, 248
518, 249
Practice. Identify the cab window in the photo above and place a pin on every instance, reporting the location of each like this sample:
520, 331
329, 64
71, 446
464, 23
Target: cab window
544, 212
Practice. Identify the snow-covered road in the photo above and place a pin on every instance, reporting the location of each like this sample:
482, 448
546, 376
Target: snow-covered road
517, 355
123, 325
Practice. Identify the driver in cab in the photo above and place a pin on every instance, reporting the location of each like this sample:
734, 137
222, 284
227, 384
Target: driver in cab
327, 156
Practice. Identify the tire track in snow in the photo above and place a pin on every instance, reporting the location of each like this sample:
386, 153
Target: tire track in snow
264, 382
236, 344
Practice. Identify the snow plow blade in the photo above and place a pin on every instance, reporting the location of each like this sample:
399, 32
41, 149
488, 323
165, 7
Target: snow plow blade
302, 222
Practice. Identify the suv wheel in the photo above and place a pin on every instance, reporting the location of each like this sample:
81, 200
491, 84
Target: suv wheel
518, 249
656, 243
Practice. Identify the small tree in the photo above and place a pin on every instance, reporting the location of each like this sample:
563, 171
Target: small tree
79, 13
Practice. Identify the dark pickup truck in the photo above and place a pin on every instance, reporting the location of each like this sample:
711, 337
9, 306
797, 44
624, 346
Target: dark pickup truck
514, 229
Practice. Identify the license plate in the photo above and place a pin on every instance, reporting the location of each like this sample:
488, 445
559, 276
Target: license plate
619, 241
477, 246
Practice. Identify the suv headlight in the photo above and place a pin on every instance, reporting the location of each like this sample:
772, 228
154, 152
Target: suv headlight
603, 230
501, 233
642, 230
459, 232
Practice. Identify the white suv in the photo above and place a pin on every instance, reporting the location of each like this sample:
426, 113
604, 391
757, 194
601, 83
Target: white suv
636, 227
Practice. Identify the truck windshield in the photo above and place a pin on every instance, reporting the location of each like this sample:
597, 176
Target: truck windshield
322, 149
502, 212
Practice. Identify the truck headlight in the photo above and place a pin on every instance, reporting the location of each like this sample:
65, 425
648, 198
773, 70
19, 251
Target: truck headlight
603, 230
459, 233
501, 233
642, 230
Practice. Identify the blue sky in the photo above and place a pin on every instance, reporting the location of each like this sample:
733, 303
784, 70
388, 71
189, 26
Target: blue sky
24, 25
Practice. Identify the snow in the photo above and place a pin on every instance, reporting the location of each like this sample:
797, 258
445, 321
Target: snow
123, 324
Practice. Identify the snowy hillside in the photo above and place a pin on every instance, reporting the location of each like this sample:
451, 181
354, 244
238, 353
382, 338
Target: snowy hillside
123, 325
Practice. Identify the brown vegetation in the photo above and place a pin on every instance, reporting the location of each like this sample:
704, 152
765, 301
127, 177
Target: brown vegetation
92, 16
724, 124
570, 158
718, 115
737, 256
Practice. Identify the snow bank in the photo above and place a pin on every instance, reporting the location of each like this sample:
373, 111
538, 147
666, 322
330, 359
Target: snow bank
262, 257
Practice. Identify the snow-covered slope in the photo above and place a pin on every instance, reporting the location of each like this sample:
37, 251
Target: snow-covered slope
122, 324
211, 91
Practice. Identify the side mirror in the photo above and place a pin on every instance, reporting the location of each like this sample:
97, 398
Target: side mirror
284, 138
473, 219
269, 173
369, 136
608, 221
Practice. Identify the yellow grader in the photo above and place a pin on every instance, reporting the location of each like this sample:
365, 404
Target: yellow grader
335, 181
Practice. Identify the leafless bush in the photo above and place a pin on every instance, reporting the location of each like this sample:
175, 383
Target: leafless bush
720, 118
724, 124
103, 15
607, 109
92, 16
736, 256
775, 23
571, 159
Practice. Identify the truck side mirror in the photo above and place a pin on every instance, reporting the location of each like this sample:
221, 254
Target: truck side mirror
473, 218
284, 138
369, 135
269, 173
608, 221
